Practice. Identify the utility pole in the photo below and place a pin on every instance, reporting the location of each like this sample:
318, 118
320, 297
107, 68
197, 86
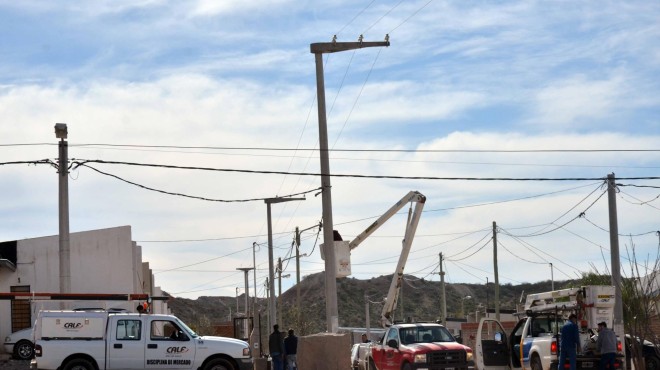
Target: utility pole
318, 49
487, 297
497, 279
552, 277
247, 289
272, 309
614, 250
254, 272
61, 133
267, 285
279, 294
298, 269
366, 314
237, 308
279, 283
443, 297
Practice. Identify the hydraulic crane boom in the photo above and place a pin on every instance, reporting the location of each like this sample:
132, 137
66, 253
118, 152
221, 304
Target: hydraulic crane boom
411, 227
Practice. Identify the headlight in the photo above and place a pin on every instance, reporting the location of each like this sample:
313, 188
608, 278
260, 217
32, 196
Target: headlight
246, 351
469, 356
7, 339
420, 358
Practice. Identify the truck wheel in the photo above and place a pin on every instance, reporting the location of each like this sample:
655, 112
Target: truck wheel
78, 364
536, 363
652, 363
218, 364
406, 366
24, 350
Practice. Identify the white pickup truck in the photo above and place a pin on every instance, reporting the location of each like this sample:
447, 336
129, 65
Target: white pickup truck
534, 341
99, 340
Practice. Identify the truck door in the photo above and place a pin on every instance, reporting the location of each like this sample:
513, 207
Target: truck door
492, 350
391, 357
168, 346
125, 344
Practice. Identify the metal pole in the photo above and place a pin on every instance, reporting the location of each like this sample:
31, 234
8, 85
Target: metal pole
443, 297
237, 309
497, 279
618, 324
61, 132
331, 312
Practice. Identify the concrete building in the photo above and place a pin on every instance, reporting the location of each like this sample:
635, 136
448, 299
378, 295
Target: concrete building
102, 261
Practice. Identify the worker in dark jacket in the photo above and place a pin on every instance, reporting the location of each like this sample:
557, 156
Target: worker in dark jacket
291, 349
276, 348
570, 343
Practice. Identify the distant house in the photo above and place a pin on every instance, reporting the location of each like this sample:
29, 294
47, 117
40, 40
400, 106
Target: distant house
102, 261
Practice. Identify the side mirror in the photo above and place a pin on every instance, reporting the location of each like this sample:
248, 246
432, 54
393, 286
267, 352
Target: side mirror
393, 343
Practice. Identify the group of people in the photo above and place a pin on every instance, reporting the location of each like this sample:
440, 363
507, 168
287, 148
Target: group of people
570, 344
281, 349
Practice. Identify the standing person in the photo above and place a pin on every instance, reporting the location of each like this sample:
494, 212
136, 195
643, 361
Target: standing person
291, 349
606, 344
276, 347
570, 340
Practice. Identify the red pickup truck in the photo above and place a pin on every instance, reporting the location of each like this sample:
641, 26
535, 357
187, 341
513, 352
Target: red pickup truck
415, 347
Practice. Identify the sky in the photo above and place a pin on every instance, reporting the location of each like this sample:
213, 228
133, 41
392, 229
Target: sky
497, 111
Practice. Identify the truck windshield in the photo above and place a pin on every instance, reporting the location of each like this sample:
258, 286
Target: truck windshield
425, 334
187, 329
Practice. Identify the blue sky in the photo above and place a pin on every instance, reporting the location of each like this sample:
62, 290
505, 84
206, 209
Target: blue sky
464, 76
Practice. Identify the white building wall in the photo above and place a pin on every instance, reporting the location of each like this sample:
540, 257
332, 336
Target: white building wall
102, 261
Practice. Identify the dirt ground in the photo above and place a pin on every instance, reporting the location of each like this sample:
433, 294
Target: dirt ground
9, 364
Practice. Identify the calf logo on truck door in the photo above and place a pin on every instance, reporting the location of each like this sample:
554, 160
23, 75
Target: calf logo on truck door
170, 347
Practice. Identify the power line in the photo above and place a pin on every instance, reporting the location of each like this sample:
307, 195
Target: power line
348, 150
186, 195
81, 162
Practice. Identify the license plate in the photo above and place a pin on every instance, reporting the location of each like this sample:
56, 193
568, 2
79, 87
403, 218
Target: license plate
587, 364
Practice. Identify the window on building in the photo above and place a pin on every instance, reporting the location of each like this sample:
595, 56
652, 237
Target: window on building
20, 309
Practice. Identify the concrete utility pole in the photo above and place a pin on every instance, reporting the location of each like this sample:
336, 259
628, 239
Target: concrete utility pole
298, 269
267, 285
61, 133
497, 278
614, 250
366, 314
318, 49
272, 310
443, 297
247, 290
279, 291
254, 272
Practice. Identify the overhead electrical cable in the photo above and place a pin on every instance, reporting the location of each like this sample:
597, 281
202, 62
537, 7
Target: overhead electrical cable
191, 196
84, 162
470, 255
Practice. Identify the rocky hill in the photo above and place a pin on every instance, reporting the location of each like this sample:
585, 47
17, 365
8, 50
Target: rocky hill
419, 299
